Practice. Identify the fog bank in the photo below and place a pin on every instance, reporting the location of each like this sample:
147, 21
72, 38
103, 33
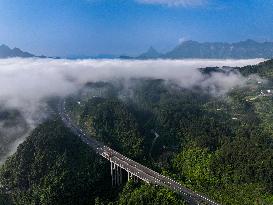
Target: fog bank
26, 83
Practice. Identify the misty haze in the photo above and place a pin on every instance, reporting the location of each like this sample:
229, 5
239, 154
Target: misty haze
32, 82
137, 102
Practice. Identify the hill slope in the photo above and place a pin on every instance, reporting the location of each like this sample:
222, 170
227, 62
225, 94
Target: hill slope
54, 167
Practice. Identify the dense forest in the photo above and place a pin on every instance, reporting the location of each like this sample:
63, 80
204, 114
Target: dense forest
13, 127
219, 145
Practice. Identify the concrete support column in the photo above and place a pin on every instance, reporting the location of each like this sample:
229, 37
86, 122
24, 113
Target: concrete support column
135, 179
131, 176
116, 173
116, 176
113, 173
120, 175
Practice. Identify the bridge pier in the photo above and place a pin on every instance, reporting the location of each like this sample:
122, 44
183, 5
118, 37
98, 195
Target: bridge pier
132, 177
128, 175
135, 179
116, 173
119, 175
112, 173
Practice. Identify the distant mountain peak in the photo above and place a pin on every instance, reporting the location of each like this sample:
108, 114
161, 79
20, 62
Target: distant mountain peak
250, 41
4, 46
152, 49
7, 52
150, 53
17, 49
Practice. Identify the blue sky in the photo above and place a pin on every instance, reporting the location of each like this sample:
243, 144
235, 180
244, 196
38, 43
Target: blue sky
90, 27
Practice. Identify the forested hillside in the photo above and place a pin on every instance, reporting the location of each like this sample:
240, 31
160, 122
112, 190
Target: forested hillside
53, 167
218, 145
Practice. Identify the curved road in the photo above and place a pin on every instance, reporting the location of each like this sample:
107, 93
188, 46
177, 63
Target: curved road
138, 170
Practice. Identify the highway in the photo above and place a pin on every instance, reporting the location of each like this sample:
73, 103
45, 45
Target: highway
132, 167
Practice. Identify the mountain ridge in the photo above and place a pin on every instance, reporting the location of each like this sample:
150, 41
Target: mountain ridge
7, 52
215, 50
190, 49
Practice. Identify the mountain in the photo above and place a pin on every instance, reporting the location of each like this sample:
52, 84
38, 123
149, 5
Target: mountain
70, 174
150, 54
7, 52
188, 49
247, 49
240, 50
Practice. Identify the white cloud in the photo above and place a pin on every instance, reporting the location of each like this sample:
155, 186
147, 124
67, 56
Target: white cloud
185, 3
25, 84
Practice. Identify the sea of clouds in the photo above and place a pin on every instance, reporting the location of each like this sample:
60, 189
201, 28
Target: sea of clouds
26, 83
